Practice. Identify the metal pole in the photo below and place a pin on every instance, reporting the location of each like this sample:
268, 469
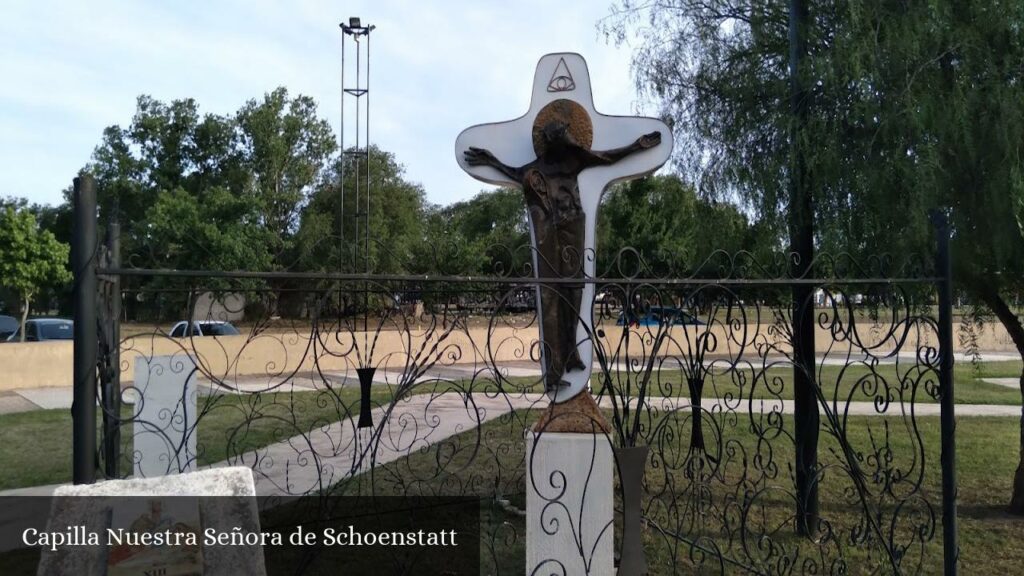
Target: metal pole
366, 223
83, 264
366, 228
341, 169
358, 205
801, 214
112, 388
947, 421
360, 153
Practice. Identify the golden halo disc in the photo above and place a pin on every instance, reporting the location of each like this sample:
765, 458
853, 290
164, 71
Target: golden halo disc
569, 112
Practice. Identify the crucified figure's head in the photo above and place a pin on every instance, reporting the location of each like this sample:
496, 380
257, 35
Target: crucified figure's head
557, 136
559, 125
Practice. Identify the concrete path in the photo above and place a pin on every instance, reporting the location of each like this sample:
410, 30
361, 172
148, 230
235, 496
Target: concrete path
12, 402
27, 399
1006, 382
48, 398
342, 450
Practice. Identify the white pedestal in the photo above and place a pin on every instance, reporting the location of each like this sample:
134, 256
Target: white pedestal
164, 441
569, 504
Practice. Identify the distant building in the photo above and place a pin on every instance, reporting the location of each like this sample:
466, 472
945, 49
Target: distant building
226, 306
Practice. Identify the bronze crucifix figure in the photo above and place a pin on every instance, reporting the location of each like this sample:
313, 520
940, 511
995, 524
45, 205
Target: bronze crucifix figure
562, 134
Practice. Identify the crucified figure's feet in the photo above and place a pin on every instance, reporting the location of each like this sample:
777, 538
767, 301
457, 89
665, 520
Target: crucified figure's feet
574, 362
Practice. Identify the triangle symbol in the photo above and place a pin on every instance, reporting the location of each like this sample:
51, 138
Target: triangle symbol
561, 80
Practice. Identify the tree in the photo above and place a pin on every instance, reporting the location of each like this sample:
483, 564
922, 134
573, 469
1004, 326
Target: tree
445, 249
219, 231
30, 258
672, 229
166, 147
285, 147
911, 106
395, 218
493, 225
266, 157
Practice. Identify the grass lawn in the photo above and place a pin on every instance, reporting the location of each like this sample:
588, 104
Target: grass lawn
35, 447
991, 541
231, 425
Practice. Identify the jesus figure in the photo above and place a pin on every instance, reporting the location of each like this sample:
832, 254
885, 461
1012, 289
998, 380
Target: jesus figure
562, 134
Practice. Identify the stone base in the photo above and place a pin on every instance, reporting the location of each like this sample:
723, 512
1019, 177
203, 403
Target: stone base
225, 497
569, 504
579, 415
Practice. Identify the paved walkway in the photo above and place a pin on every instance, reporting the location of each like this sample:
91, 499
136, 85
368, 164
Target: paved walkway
289, 468
1007, 382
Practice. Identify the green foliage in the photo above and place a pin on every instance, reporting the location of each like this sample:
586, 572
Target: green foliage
912, 106
213, 231
284, 148
396, 218
30, 258
445, 249
255, 168
492, 228
672, 229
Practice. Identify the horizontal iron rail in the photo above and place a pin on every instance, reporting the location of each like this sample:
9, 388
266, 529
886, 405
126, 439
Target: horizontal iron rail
245, 274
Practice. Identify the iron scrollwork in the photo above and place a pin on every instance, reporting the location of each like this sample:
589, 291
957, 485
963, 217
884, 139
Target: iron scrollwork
416, 385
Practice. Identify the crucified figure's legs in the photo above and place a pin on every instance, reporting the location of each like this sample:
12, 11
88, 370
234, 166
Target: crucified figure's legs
552, 343
571, 263
559, 256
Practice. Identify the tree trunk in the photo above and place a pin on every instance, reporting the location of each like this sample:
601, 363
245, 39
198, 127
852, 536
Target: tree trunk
1013, 326
26, 302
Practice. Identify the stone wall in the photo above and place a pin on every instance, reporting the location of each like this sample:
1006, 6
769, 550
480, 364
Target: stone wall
46, 364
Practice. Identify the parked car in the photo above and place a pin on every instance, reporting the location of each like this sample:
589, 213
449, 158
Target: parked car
44, 329
8, 326
185, 329
656, 315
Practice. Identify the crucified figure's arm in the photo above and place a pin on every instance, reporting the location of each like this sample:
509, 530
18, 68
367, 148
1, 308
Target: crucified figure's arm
606, 157
483, 157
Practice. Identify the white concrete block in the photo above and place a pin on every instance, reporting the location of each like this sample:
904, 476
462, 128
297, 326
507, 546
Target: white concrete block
165, 441
569, 504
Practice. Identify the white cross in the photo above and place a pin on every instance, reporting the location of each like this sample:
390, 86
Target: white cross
565, 76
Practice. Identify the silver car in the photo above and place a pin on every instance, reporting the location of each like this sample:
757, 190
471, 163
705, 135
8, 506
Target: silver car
203, 328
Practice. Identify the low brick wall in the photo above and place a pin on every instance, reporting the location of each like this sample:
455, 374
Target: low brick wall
44, 364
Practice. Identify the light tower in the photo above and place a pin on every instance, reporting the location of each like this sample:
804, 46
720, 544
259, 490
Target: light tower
355, 167
355, 161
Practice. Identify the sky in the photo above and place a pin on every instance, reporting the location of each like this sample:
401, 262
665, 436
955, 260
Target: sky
69, 69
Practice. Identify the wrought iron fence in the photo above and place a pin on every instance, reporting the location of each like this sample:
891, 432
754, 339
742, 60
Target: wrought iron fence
424, 385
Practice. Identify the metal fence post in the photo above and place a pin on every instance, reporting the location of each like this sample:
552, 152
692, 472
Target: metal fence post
112, 380
806, 419
83, 265
944, 272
